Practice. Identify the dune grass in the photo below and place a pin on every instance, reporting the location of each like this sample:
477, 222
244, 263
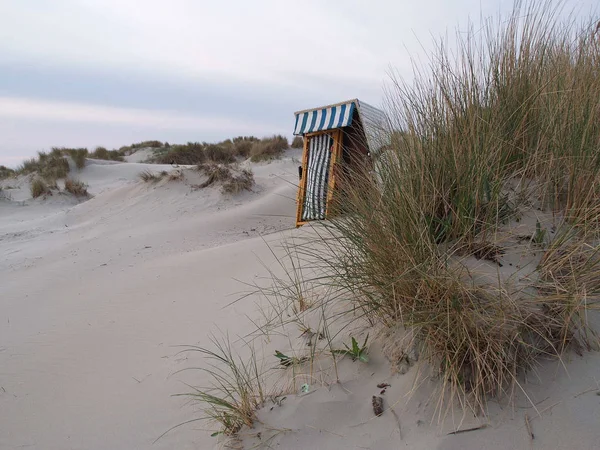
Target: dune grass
240, 182
298, 142
187, 154
518, 105
268, 148
38, 187
222, 152
237, 390
505, 123
6, 172
76, 187
148, 176
109, 155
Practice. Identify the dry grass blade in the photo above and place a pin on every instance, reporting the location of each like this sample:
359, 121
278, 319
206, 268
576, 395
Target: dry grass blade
237, 389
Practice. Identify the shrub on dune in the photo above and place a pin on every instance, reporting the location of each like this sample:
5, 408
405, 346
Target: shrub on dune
188, 154
38, 187
148, 176
6, 172
76, 187
238, 183
77, 154
222, 152
109, 155
243, 145
520, 117
298, 142
268, 148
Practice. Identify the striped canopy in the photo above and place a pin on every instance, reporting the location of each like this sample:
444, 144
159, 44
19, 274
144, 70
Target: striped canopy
326, 118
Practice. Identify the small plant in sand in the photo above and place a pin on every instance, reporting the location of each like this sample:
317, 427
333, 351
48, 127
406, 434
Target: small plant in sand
176, 175
240, 182
355, 351
539, 236
287, 361
237, 391
76, 187
38, 187
233, 183
148, 176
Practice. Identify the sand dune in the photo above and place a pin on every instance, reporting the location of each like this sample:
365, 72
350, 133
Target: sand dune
96, 297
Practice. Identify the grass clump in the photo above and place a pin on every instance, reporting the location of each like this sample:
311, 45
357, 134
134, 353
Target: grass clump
243, 145
76, 187
237, 391
129, 149
78, 155
233, 181
222, 152
268, 148
6, 172
298, 142
147, 176
109, 155
188, 154
240, 182
38, 187
509, 119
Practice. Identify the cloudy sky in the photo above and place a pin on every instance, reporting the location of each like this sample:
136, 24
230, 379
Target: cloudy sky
112, 72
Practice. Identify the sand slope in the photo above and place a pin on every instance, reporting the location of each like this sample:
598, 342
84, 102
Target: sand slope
95, 296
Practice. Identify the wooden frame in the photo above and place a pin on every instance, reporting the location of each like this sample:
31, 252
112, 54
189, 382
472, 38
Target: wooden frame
336, 135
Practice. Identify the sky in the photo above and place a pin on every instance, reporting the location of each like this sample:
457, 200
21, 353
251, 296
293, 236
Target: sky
85, 73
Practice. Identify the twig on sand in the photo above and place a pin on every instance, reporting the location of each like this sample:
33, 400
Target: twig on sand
528, 425
586, 391
466, 430
326, 431
397, 421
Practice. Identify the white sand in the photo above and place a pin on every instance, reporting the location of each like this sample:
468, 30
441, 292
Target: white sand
97, 295
95, 298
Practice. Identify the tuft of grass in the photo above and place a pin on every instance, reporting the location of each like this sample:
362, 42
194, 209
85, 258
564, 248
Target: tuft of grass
215, 172
148, 176
6, 172
355, 351
38, 187
242, 145
238, 183
222, 152
176, 175
188, 154
237, 390
287, 361
109, 155
517, 104
76, 187
268, 148
78, 155
298, 142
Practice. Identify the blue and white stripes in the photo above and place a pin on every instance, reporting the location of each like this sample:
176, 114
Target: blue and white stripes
327, 118
317, 177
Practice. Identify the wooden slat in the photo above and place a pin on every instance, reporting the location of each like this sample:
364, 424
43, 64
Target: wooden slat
302, 184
